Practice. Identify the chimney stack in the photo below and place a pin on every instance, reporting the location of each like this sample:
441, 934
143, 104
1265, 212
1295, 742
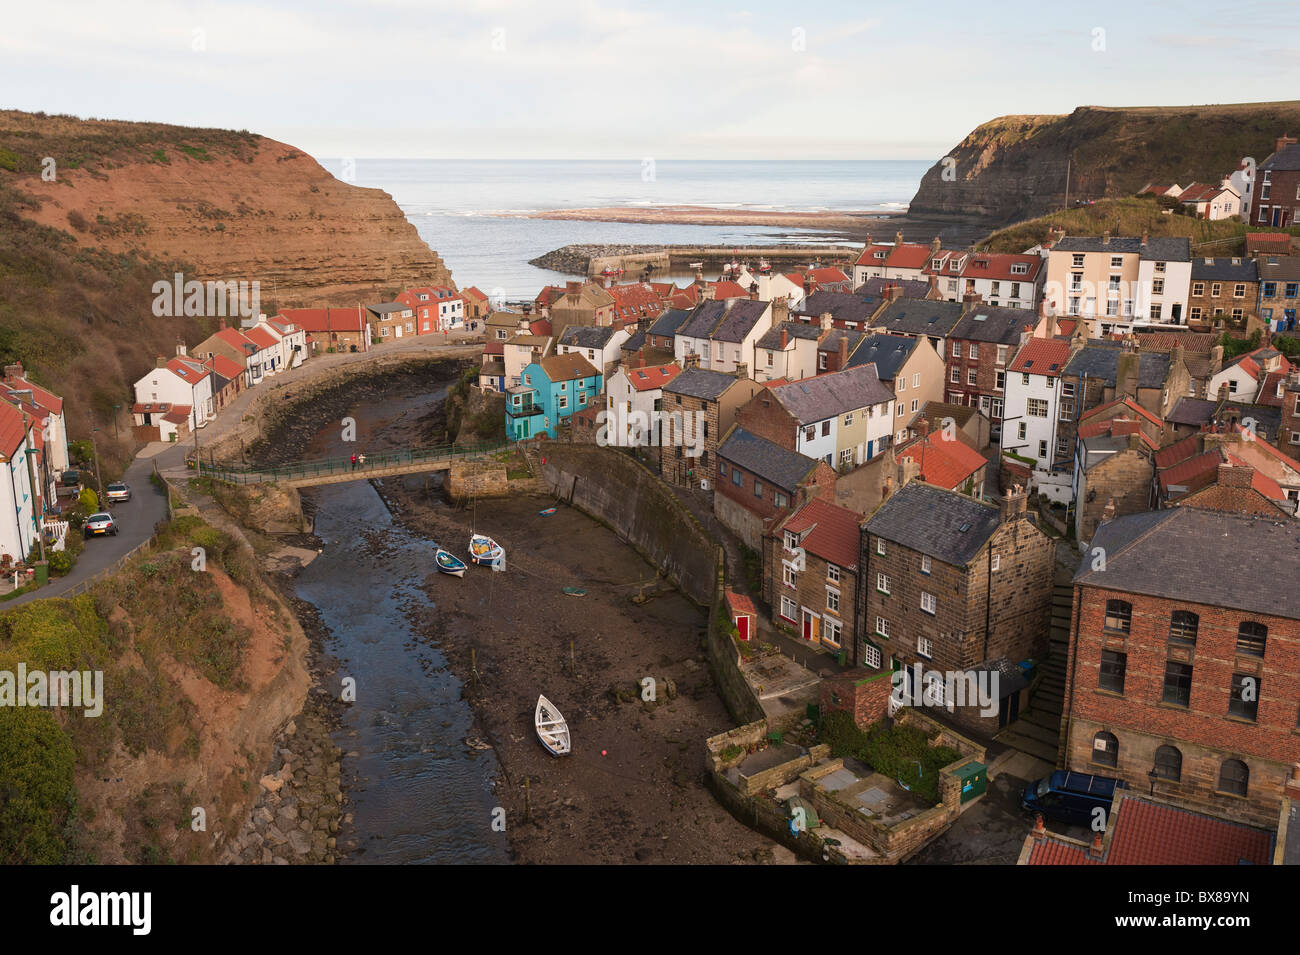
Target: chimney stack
573, 287
827, 321
160, 362
898, 238
1040, 829
934, 246
14, 371
742, 369
691, 361
1095, 849
1014, 502
1145, 236
1105, 237
785, 337
706, 293
844, 351
180, 349
1293, 784
1240, 476
1282, 142
1048, 315
894, 292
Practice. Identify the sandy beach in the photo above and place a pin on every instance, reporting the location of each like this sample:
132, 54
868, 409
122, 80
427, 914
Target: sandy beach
709, 215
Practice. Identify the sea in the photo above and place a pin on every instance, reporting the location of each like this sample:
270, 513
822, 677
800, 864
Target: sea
458, 205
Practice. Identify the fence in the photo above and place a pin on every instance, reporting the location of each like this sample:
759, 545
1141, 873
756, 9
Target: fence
113, 568
331, 466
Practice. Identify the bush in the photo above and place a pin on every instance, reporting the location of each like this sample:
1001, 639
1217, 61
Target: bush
78, 221
61, 562
88, 499
37, 760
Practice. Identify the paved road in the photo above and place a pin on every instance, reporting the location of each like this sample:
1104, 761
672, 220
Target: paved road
148, 505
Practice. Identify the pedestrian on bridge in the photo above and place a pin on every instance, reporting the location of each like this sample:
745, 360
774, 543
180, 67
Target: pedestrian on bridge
361, 458
354, 461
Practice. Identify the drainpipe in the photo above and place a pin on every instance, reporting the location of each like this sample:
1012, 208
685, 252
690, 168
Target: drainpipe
18, 517
1073, 651
988, 598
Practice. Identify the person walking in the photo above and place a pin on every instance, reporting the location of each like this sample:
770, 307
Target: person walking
361, 458
354, 461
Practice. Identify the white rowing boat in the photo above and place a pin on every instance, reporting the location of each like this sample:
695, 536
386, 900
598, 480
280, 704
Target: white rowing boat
552, 728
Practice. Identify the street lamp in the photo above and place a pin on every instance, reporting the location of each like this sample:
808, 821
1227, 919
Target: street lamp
1153, 775
99, 481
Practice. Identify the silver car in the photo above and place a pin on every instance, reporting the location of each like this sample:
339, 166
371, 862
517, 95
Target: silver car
117, 491
97, 524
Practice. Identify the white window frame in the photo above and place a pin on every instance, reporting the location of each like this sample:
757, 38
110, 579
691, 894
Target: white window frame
932, 600
924, 647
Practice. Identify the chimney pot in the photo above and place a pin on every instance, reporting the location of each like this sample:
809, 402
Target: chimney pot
1095, 850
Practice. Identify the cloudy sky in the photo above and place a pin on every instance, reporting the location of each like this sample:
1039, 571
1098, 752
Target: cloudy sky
605, 79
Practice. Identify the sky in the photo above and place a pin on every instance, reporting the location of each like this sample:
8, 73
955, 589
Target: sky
615, 79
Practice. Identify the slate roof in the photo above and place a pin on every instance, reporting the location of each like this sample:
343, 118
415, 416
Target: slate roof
772, 337
635, 342
771, 462
876, 288
587, 336
1224, 270
1192, 412
887, 352
667, 324
831, 343
1148, 833
825, 396
1101, 359
388, 308
913, 316
843, 306
1002, 326
1195, 556
700, 383
1161, 248
1279, 268
724, 321
929, 519
1286, 159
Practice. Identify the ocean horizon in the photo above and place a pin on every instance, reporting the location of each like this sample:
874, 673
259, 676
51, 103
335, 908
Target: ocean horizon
472, 212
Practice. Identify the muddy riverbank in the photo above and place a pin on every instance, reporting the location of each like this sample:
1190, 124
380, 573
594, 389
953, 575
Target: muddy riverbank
444, 667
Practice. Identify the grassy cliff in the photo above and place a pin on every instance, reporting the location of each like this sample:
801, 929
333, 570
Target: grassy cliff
1015, 167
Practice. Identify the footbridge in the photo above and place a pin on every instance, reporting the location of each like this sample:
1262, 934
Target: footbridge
340, 470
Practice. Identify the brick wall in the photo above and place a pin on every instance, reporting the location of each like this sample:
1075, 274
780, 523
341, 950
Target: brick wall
1204, 731
674, 462
810, 591
861, 691
764, 416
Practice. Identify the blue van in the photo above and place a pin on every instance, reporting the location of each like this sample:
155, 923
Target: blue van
1071, 797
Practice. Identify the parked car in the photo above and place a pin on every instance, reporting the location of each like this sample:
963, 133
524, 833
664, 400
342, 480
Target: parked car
117, 491
1071, 797
101, 523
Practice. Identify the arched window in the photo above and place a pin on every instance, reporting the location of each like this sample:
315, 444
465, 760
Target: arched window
1105, 749
1119, 615
1169, 763
1182, 628
1234, 777
1251, 637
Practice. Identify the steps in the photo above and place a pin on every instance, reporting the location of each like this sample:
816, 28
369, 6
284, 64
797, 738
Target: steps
1037, 731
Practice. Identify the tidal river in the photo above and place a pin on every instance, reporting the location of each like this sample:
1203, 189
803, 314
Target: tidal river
418, 795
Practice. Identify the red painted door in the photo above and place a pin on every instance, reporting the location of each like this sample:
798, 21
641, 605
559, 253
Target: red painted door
807, 625
742, 626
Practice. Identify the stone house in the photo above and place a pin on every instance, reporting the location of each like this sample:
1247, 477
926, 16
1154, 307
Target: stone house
1226, 288
970, 425
599, 344
699, 406
979, 349
1183, 663
1279, 291
583, 303
330, 329
392, 320
955, 585
1112, 477
919, 318
787, 352
810, 574
758, 482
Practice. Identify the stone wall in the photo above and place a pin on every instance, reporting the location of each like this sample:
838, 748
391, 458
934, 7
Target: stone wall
613, 488
474, 479
862, 692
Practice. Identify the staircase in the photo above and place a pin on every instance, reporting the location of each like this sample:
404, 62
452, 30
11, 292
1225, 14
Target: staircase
1037, 731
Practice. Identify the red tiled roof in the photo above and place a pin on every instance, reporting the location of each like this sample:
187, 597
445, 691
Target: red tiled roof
42, 396
829, 275
494, 347
325, 319
1128, 403
1066, 326
739, 603
1196, 342
472, 292
190, 372
728, 289
233, 338
1148, 833
946, 463
1280, 241
997, 265
1197, 192
1194, 472
908, 256
639, 296
654, 376
1042, 356
831, 532
540, 326
178, 415
260, 336
869, 257
1259, 481
1179, 451
11, 429
225, 367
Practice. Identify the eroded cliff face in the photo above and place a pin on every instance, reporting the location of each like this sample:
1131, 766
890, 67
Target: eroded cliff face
1015, 167
236, 206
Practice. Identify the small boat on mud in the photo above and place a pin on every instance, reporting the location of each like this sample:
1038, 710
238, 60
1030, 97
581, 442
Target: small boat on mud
552, 728
575, 591
484, 551
547, 512
449, 563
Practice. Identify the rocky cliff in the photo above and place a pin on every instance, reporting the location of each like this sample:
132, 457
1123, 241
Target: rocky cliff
1015, 167
93, 213
234, 205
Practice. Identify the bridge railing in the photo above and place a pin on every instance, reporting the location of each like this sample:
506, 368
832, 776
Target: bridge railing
328, 467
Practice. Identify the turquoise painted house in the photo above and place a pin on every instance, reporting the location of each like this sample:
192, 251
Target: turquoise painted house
549, 392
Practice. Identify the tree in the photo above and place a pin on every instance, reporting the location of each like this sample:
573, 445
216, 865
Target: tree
36, 786
88, 499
